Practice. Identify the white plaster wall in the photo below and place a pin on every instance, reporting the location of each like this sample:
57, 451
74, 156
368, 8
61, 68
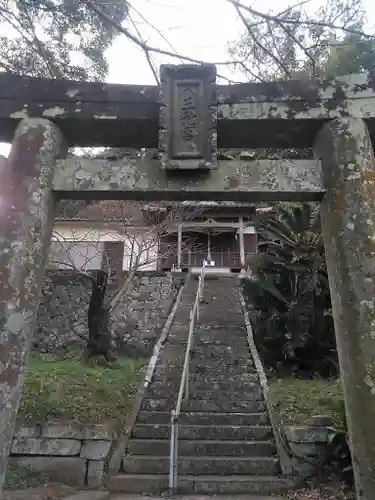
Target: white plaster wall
249, 230
85, 246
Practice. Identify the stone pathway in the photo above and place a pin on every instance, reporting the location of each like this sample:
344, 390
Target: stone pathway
90, 495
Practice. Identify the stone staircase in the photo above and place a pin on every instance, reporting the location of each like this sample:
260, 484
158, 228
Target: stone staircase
226, 444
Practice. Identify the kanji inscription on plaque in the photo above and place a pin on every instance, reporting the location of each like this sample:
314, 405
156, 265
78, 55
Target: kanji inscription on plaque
187, 138
186, 133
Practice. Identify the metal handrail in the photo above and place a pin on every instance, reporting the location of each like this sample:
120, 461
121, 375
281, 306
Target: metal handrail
183, 393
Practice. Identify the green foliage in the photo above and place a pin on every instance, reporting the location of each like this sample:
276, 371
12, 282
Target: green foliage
68, 389
339, 456
300, 43
290, 292
296, 400
21, 478
353, 54
57, 38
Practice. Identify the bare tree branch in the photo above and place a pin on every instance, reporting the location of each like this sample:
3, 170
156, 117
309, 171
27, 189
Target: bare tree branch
146, 52
144, 46
289, 20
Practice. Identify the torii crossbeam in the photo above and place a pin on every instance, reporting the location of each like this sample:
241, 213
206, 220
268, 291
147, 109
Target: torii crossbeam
185, 120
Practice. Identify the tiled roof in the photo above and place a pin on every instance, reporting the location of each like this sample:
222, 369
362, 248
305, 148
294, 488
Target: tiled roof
134, 212
218, 204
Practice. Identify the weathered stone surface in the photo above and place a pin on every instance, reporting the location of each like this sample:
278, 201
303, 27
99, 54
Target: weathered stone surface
319, 421
26, 228
28, 432
95, 450
95, 473
348, 221
136, 322
41, 446
202, 432
142, 314
193, 418
303, 468
307, 449
232, 180
160, 448
203, 465
68, 470
207, 485
303, 434
97, 432
187, 117
62, 313
100, 114
73, 431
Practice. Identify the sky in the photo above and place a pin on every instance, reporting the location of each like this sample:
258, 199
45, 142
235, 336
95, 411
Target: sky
195, 28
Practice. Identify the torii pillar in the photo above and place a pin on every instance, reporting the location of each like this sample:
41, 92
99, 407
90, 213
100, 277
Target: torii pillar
26, 220
348, 220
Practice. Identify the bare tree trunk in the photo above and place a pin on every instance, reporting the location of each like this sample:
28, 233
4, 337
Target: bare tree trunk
99, 342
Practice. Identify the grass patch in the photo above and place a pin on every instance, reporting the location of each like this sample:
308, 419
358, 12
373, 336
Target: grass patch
18, 478
70, 390
295, 401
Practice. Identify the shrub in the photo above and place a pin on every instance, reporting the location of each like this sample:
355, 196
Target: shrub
290, 293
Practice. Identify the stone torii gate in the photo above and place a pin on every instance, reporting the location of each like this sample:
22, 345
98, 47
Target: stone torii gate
185, 120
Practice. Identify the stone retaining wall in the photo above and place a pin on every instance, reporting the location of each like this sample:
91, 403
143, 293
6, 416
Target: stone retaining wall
136, 324
71, 454
309, 441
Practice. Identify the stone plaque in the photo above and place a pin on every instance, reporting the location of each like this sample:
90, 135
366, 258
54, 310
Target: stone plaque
187, 138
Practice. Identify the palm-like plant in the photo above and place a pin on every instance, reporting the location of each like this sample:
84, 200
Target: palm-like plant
290, 285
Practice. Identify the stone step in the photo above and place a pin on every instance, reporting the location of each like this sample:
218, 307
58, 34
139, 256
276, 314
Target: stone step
229, 326
253, 394
206, 485
212, 336
221, 313
196, 418
160, 448
201, 371
231, 387
202, 465
176, 359
203, 366
238, 380
236, 345
223, 338
206, 432
220, 377
215, 349
226, 358
205, 374
222, 406
233, 369
253, 391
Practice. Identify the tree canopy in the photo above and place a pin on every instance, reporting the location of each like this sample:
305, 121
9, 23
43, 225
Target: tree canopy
302, 43
57, 38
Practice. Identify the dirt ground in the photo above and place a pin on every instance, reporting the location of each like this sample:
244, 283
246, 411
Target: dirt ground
51, 491
315, 490
59, 492
322, 489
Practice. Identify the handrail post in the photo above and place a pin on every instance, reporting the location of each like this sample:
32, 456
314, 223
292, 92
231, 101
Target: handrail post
172, 453
175, 470
187, 382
